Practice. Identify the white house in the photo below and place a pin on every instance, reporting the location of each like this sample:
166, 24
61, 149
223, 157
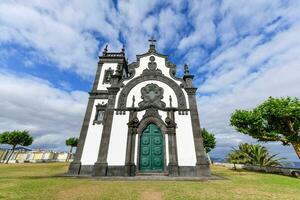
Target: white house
140, 119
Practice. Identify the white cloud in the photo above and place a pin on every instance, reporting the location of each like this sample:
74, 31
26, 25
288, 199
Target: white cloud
50, 114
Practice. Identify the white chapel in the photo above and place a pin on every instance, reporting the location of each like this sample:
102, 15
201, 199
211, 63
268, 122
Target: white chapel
140, 119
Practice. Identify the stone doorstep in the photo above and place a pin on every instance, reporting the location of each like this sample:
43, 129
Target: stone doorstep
144, 178
152, 174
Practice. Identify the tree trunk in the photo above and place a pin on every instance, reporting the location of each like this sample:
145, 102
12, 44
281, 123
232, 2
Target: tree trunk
69, 155
13, 150
297, 148
209, 160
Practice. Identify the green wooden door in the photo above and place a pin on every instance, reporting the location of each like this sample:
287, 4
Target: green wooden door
152, 149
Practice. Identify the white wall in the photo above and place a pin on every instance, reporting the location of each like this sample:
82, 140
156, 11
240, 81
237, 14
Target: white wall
93, 139
105, 66
185, 141
118, 140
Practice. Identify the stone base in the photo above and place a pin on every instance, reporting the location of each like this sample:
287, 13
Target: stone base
74, 168
100, 169
203, 170
130, 170
173, 170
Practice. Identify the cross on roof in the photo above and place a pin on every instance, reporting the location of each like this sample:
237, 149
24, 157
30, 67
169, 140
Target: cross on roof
152, 41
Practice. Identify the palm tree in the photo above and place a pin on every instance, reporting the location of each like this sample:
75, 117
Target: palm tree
253, 154
72, 142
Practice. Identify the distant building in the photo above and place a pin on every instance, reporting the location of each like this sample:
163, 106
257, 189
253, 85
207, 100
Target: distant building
33, 156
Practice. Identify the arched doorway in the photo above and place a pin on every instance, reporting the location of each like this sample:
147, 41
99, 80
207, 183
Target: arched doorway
151, 149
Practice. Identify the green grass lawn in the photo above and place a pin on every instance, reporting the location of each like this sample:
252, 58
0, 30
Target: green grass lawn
36, 181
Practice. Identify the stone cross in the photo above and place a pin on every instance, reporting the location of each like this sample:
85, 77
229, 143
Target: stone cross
152, 41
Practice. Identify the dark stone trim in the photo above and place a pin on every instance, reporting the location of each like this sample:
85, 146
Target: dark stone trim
136, 109
130, 147
153, 75
173, 157
97, 77
202, 165
74, 167
190, 171
100, 167
115, 170
86, 169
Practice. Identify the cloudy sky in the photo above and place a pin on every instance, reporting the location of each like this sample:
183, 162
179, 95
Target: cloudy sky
240, 51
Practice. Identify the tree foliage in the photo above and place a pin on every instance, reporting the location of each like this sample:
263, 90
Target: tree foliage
209, 140
253, 155
73, 141
276, 119
15, 138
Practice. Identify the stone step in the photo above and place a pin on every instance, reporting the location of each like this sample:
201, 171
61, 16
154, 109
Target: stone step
152, 174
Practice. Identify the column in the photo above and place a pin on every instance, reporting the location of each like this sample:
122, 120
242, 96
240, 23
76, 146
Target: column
130, 149
75, 165
202, 166
171, 131
100, 167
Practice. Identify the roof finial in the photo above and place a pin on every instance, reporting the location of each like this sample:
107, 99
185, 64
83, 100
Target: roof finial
186, 69
152, 41
123, 48
105, 49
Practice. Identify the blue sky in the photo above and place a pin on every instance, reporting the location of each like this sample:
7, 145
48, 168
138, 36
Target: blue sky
241, 52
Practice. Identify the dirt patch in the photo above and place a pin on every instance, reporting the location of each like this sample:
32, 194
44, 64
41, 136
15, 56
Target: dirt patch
151, 195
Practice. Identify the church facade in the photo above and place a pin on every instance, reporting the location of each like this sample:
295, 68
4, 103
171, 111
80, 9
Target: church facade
140, 119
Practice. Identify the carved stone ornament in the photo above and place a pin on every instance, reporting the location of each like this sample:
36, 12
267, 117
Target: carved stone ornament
152, 65
152, 95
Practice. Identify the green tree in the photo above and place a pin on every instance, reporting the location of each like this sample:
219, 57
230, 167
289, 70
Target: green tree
253, 154
15, 138
276, 119
209, 140
72, 142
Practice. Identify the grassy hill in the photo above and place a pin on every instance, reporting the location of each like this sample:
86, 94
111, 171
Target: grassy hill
36, 181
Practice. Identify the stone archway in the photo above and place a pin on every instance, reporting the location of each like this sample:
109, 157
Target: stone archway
157, 76
154, 129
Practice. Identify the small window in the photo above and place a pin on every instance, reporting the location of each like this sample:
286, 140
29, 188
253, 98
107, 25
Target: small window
100, 113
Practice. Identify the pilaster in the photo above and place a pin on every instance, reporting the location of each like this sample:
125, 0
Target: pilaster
100, 167
130, 148
171, 131
202, 165
75, 165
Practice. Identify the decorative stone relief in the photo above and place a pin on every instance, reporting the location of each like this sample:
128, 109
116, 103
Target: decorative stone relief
107, 75
152, 95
